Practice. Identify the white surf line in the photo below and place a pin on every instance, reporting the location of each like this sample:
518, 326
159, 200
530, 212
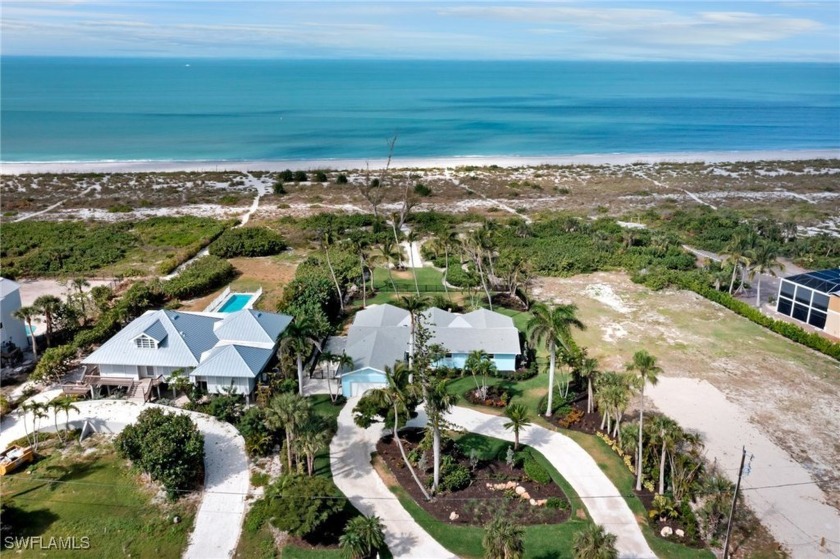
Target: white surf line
54, 206
499, 204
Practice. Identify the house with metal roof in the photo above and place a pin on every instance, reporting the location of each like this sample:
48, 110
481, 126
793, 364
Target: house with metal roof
217, 350
812, 298
12, 330
380, 336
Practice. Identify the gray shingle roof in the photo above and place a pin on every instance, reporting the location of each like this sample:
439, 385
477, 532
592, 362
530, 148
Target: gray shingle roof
233, 361
380, 335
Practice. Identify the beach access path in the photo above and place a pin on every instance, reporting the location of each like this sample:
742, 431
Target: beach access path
218, 522
354, 475
601, 498
780, 491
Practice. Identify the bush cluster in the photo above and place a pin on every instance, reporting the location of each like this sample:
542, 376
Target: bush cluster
535, 472
200, 277
293, 509
453, 476
248, 241
166, 446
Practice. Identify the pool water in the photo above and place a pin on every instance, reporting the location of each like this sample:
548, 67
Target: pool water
235, 302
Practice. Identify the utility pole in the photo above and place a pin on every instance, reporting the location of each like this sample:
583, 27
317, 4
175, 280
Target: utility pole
734, 500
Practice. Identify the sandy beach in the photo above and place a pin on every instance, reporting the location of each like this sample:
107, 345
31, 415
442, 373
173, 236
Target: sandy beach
139, 166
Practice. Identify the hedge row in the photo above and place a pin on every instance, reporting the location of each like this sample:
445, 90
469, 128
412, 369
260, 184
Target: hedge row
200, 277
662, 278
248, 241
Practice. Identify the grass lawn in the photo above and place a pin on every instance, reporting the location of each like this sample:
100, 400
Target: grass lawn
428, 279
554, 540
97, 496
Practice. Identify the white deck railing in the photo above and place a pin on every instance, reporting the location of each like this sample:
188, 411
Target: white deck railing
217, 301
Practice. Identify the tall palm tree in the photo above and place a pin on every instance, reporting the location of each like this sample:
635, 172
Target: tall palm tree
66, 405
326, 245
26, 314
438, 403
49, 306
397, 395
593, 542
80, 284
299, 339
361, 248
475, 245
587, 368
644, 364
288, 411
612, 394
445, 242
667, 435
518, 418
38, 413
503, 539
309, 442
765, 260
340, 361
24, 410
363, 537
411, 238
388, 255
414, 304
553, 327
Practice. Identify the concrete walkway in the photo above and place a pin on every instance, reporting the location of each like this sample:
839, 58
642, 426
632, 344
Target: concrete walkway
600, 497
218, 522
353, 473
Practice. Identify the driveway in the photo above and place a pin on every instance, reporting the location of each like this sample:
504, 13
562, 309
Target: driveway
600, 497
353, 473
218, 522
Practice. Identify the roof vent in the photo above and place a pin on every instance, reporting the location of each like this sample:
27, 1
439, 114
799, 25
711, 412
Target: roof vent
182, 334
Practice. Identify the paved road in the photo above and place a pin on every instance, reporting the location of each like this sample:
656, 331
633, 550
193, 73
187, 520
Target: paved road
353, 473
600, 497
218, 522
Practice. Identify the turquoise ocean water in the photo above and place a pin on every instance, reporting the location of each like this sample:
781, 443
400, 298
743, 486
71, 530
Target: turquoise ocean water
64, 109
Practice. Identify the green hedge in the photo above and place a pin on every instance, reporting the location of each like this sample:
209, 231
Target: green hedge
248, 241
660, 278
200, 277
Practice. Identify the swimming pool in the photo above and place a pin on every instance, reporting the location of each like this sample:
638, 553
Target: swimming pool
235, 302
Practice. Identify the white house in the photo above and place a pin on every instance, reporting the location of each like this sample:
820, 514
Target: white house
218, 350
11, 329
380, 336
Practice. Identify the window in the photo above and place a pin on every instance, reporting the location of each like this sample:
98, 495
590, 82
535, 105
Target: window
820, 301
803, 295
800, 312
817, 319
787, 289
785, 306
145, 342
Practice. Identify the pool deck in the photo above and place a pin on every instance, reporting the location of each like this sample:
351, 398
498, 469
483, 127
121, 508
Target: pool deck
226, 295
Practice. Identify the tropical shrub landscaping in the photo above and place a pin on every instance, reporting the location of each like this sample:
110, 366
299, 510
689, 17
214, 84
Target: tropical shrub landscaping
247, 241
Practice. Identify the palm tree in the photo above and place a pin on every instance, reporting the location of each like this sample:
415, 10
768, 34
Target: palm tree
298, 340
503, 539
363, 537
644, 364
612, 394
288, 411
340, 361
64, 404
48, 305
445, 242
388, 255
479, 362
80, 284
326, 244
587, 367
438, 403
553, 327
38, 413
518, 418
26, 314
411, 238
667, 434
360, 247
764, 261
25, 408
414, 304
178, 381
397, 395
593, 542
476, 244
309, 442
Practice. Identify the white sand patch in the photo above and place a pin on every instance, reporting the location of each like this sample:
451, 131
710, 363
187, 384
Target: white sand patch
603, 293
781, 492
613, 332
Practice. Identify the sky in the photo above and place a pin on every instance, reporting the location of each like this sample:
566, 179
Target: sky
760, 30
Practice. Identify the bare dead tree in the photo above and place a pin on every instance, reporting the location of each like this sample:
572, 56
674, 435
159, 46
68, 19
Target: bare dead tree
373, 189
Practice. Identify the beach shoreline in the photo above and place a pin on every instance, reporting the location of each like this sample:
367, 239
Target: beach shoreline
506, 161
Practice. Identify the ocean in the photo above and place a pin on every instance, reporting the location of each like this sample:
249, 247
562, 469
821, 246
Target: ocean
69, 109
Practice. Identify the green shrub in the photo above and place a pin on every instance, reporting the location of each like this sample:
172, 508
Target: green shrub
200, 277
120, 209
279, 189
535, 472
341, 179
300, 176
320, 176
456, 478
55, 362
247, 241
168, 447
256, 517
422, 190
556, 503
301, 505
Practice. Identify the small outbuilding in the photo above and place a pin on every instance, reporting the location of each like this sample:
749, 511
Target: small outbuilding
812, 298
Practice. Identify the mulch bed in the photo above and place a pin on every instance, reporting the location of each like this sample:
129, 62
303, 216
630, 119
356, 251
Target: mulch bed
495, 397
476, 504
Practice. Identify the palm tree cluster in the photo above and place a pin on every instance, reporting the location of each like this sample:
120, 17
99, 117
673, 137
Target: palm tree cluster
305, 432
751, 256
38, 411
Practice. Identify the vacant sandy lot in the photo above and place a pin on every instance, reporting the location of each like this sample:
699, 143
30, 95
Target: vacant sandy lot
790, 393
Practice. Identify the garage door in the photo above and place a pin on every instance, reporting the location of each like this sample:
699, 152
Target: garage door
359, 388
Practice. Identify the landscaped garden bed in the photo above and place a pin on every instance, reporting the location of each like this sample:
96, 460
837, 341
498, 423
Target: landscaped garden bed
479, 480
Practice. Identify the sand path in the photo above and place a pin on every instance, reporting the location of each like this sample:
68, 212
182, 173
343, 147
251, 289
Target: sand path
780, 491
54, 206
